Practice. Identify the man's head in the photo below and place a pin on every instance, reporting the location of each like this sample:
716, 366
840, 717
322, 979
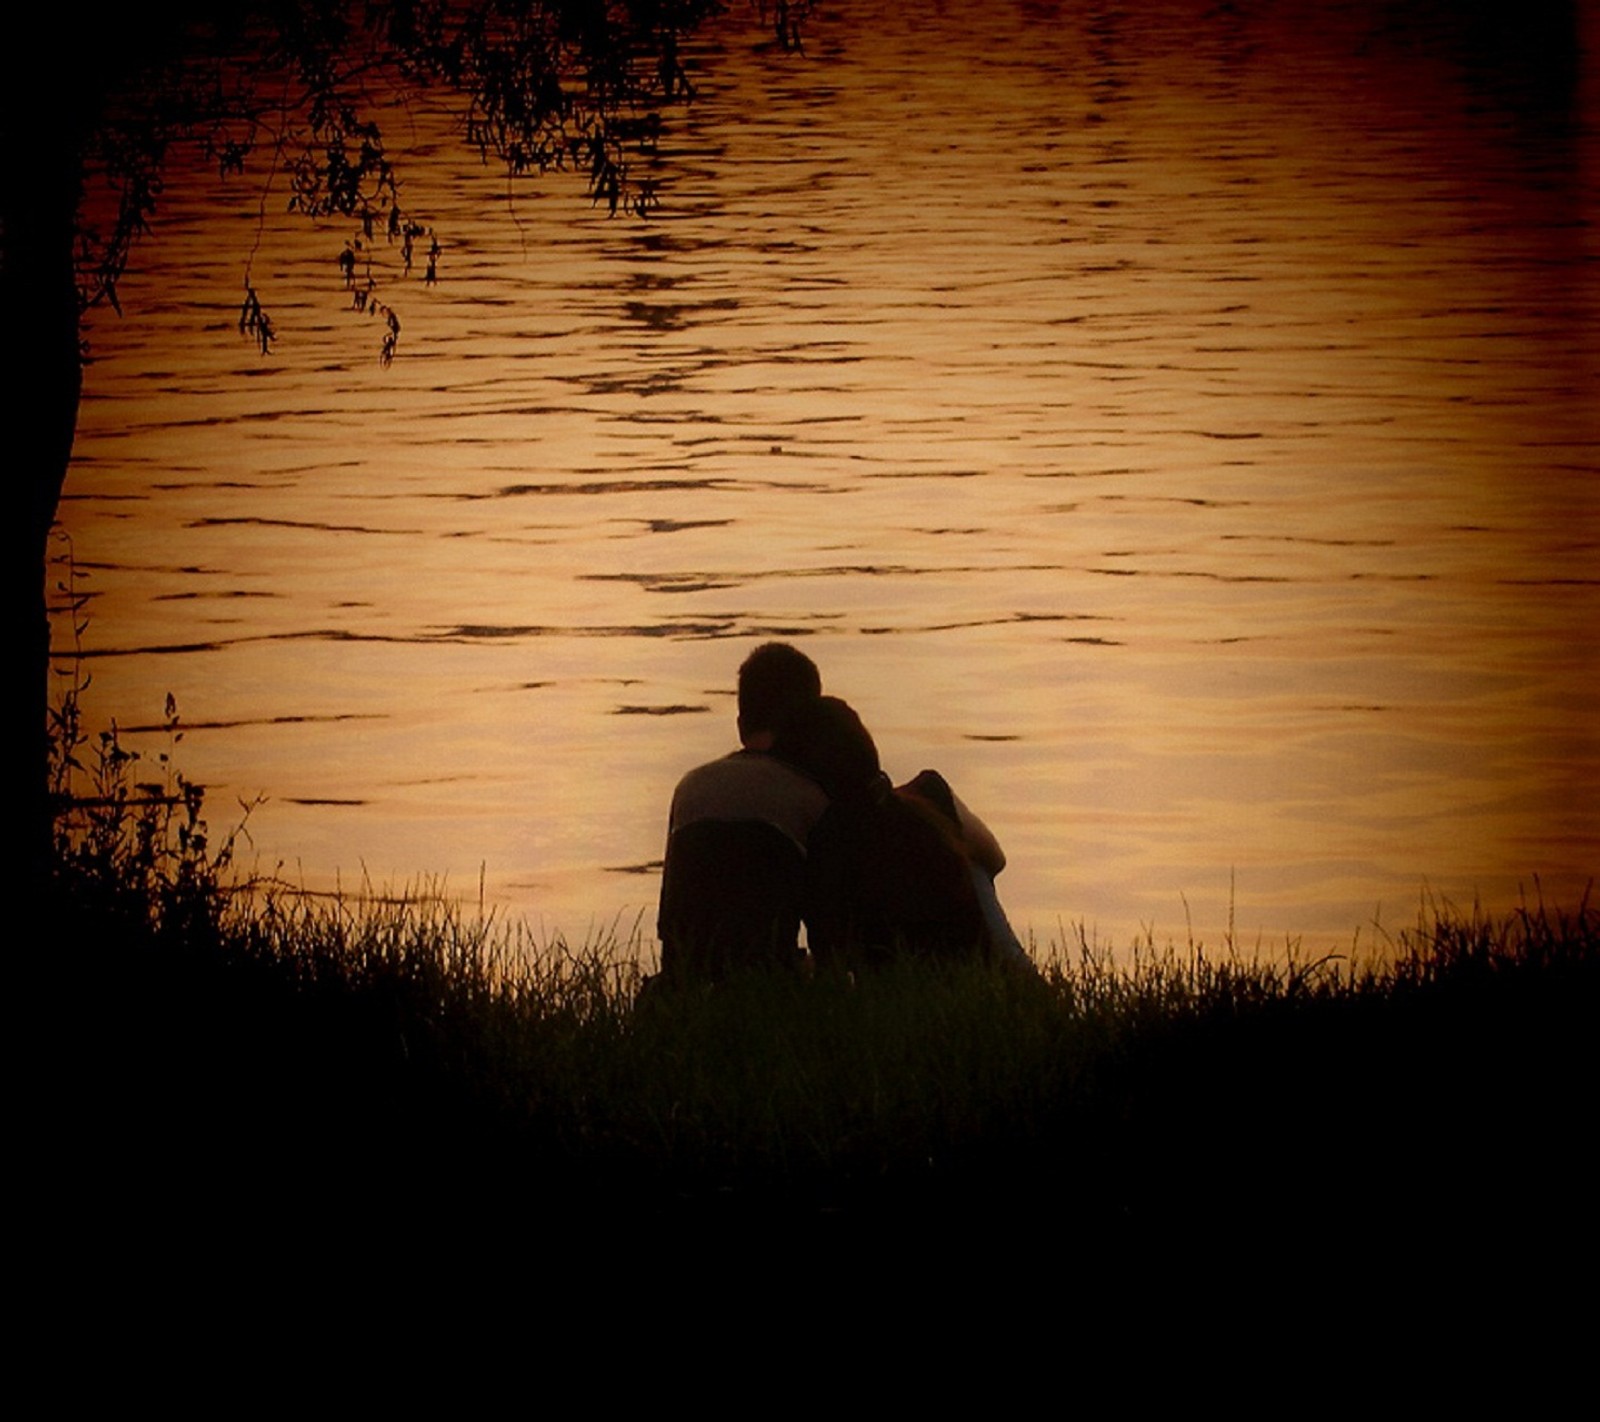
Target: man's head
774, 681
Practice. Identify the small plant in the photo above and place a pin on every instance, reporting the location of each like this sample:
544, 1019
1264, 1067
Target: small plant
120, 836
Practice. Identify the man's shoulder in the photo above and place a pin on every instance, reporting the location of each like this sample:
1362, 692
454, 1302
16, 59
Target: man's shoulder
744, 766
747, 772
722, 765
749, 785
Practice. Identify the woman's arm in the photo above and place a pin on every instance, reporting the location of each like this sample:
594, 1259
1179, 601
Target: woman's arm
982, 846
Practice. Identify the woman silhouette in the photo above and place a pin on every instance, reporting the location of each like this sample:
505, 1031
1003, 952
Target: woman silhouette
891, 871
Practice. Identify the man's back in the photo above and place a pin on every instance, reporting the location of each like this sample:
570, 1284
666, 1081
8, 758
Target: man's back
735, 870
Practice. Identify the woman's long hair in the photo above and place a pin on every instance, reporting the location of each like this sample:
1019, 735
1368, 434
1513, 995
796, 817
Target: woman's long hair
888, 873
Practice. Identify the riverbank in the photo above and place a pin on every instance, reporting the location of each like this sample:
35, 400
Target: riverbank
350, 1066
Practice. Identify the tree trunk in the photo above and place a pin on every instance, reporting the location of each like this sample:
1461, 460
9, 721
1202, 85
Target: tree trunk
39, 324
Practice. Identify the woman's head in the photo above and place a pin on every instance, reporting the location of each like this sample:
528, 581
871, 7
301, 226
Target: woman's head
826, 739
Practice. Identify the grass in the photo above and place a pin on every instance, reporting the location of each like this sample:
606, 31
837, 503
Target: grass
369, 1040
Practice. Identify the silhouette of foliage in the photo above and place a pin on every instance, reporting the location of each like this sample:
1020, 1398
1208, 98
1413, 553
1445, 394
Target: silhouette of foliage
546, 85
127, 827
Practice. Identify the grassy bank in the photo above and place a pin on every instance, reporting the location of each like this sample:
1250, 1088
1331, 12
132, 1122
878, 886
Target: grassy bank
324, 1052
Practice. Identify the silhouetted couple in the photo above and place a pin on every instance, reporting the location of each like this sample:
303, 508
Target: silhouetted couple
802, 824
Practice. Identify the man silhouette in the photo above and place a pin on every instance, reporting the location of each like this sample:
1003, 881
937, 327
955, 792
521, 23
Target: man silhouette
734, 874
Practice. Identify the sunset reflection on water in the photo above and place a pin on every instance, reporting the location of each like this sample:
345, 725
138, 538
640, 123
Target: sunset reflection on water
1179, 431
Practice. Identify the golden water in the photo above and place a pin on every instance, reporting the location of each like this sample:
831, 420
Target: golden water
1180, 431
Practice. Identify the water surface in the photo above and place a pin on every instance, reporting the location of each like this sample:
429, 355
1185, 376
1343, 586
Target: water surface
1177, 427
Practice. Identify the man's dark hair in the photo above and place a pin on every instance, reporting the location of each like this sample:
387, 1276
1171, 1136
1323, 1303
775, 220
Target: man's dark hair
775, 680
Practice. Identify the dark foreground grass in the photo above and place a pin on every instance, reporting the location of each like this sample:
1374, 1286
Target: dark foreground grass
366, 1065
